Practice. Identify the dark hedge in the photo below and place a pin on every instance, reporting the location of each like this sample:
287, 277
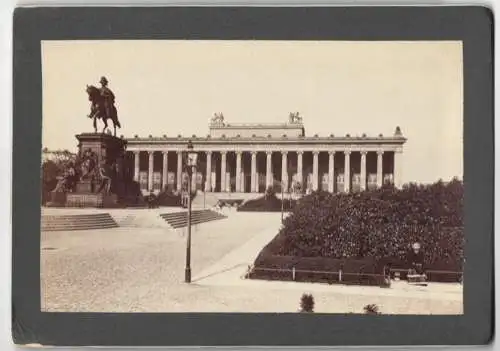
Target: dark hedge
378, 225
168, 198
267, 203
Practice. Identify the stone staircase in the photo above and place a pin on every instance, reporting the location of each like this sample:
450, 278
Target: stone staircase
179, 219
71, 222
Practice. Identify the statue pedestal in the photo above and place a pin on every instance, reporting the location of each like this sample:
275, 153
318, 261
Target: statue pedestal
57, 199
98, 200
85, 186
105, 146
108, 149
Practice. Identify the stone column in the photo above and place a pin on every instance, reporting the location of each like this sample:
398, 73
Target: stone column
398, 168
238, 171
208, 175
242, 181
165, 170
268, 169
223, 172
331, 172
136, 165
284, 171
179, 170
299, 169
253, 181
315, 170
150, 170
347, 171
380, 178
363, 171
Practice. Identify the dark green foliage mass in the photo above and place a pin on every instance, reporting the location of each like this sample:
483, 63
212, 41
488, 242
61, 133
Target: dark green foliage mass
381, 224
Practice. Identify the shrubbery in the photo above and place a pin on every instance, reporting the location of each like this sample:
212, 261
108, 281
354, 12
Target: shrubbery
371, 309
307, 303
315, 269
169, 198
267, 203
380, 225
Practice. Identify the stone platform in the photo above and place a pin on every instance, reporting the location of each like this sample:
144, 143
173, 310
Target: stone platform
98, 200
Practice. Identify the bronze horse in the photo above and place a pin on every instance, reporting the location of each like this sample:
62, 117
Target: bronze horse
101, 108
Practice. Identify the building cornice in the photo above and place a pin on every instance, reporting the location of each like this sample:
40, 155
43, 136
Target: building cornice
266, 140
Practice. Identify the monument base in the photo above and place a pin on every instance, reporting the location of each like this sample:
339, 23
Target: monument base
97, 200
107, 149
57, 199
85, 186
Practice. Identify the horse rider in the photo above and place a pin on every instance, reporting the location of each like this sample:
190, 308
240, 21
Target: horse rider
107, 95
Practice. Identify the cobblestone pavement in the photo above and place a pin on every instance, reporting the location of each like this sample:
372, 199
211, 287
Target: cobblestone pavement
142, 270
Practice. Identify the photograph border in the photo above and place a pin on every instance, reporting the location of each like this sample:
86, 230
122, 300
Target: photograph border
473, 25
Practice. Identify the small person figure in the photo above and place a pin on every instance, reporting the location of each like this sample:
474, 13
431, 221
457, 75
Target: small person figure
151, 199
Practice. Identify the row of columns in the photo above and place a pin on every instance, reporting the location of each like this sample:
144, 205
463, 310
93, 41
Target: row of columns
284, 173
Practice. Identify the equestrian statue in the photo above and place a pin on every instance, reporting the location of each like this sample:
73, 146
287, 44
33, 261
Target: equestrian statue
102, 105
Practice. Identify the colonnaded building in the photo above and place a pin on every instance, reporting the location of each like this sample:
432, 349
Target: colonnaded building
247, 158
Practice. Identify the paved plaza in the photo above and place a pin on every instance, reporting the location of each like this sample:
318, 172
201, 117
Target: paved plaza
142, 270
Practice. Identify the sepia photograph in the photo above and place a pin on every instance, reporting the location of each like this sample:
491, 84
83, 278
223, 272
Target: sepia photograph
252, 176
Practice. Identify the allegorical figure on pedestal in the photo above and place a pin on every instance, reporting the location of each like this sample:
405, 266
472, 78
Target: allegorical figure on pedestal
102, 105
88, 164
66, 182
106, 174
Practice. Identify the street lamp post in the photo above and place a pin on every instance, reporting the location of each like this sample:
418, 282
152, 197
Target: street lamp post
190, 168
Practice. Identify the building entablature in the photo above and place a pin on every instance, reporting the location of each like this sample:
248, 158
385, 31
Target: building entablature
268, 142
268, 146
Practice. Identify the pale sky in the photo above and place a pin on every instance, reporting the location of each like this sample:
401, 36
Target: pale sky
174, 87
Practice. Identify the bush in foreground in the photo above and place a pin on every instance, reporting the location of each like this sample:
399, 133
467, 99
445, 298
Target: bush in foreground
371, 309
307, 303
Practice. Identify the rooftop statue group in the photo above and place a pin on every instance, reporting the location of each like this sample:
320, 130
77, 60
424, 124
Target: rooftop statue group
218, 118
294, 118
102, 105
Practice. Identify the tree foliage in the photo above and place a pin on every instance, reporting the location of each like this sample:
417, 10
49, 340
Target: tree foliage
53, 165
380, 224
307, 303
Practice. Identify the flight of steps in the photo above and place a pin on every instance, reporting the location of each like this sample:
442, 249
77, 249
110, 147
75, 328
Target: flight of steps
70, 222
179, 219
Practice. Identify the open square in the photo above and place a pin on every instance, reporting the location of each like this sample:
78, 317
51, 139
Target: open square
134, 269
